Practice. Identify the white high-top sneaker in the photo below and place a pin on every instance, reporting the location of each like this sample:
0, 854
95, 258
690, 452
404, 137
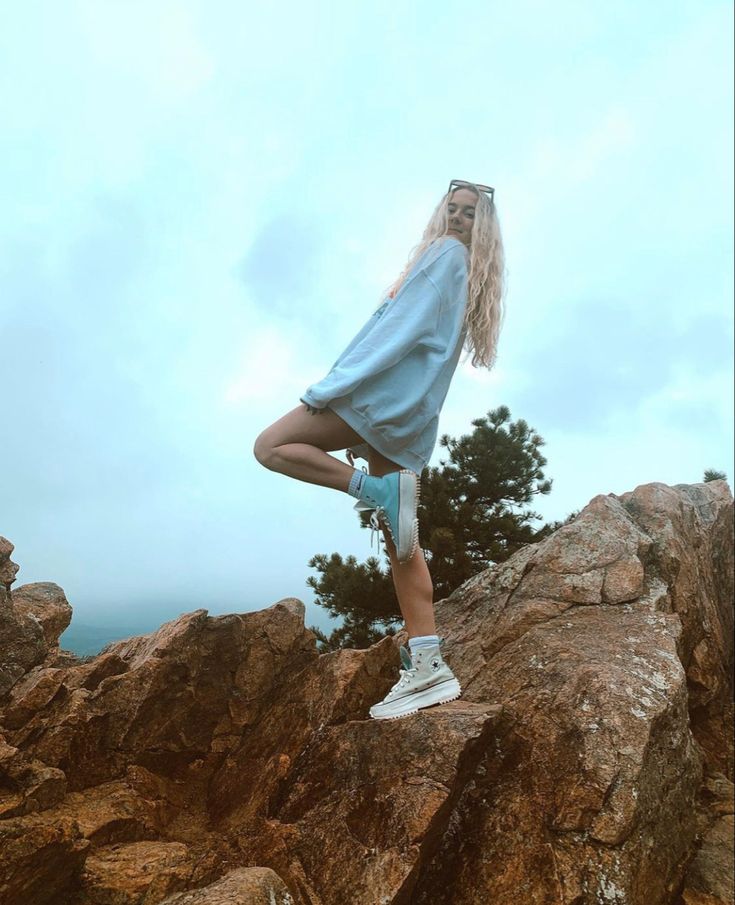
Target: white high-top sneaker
425, 680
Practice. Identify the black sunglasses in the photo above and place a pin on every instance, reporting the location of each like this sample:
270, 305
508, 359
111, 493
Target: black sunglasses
461, 183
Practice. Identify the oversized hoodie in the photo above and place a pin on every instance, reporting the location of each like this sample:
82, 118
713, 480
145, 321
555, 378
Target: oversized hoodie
390, 383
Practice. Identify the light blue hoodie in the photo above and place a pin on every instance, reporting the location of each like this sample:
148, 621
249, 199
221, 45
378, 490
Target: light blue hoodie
390, 382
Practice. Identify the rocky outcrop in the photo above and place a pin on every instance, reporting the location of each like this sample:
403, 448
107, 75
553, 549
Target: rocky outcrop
8, 569
22, 642
589, 759
32, 619
45, 603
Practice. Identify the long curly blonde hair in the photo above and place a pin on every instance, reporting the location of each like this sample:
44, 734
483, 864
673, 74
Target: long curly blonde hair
486, 283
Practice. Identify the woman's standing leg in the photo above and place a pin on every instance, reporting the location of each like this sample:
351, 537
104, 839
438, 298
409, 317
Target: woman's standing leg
412, 580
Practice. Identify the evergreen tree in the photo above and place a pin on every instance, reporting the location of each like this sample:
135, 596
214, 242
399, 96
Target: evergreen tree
362, 594
472, 513
710, 474
473, 509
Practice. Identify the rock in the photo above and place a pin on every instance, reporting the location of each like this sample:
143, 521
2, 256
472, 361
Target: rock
243, 886
60, 657
27, 785
46, 602
40, 860
163, 700
22, 644
691, 526
589, 759
336, 688
8, 569
710, 878
32, 694
588, 654
114, 812
32, 619
364, 809
134, 873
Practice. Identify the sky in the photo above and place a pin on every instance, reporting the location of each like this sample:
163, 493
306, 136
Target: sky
203, 202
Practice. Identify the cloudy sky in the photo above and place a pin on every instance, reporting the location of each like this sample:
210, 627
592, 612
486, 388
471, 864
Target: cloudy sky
202, 203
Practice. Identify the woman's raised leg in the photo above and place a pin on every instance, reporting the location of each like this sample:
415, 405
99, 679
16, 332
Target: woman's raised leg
298, 445
412, 579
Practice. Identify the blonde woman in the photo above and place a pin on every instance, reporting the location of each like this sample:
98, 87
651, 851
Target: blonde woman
381, 401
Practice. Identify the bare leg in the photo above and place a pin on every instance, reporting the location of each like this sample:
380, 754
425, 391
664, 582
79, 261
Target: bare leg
297, 444
412, 580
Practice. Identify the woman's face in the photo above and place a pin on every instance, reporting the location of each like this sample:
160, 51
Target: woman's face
461, 214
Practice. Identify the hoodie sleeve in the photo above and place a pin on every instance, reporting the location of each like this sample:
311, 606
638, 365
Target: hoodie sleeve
410, 319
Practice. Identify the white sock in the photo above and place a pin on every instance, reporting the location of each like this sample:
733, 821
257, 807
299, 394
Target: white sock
356, 482
422, 641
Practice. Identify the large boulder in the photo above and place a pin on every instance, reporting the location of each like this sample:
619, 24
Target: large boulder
46, 603
32, 619
41, 860
22, 643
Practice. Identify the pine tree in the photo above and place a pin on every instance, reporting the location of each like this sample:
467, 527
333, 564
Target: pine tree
362, 594
472, 513
712, 474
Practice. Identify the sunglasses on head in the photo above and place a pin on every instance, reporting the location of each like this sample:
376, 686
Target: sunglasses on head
461, 183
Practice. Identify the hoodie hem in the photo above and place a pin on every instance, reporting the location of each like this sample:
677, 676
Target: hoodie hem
405, 458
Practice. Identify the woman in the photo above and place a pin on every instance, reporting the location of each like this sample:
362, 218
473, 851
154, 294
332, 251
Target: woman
381, 401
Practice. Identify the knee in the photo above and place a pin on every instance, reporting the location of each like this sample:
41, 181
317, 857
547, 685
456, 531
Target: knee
262, 450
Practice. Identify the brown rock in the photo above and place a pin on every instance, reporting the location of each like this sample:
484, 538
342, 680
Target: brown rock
113, 812
27, 785
22, 644
711, 873
46, 602
337, 687
8, 569
365, 807
692, 529
58, 657
134, 873
32, 694
711, 876
40, 860
244, 886
31, 621
609, 762
589, 760
165, 699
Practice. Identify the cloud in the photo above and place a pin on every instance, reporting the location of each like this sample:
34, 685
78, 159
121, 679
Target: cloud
603, 356
281, 267
269, 370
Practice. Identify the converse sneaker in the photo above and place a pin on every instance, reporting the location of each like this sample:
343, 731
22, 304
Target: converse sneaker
426, 680
394, 498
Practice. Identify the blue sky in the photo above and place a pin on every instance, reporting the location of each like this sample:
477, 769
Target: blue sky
202, 203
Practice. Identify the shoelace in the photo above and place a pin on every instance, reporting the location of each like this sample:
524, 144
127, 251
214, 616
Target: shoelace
405, 674
375, 525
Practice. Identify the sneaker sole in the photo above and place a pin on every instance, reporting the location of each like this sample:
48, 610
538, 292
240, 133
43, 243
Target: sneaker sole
439, 694
409, 490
